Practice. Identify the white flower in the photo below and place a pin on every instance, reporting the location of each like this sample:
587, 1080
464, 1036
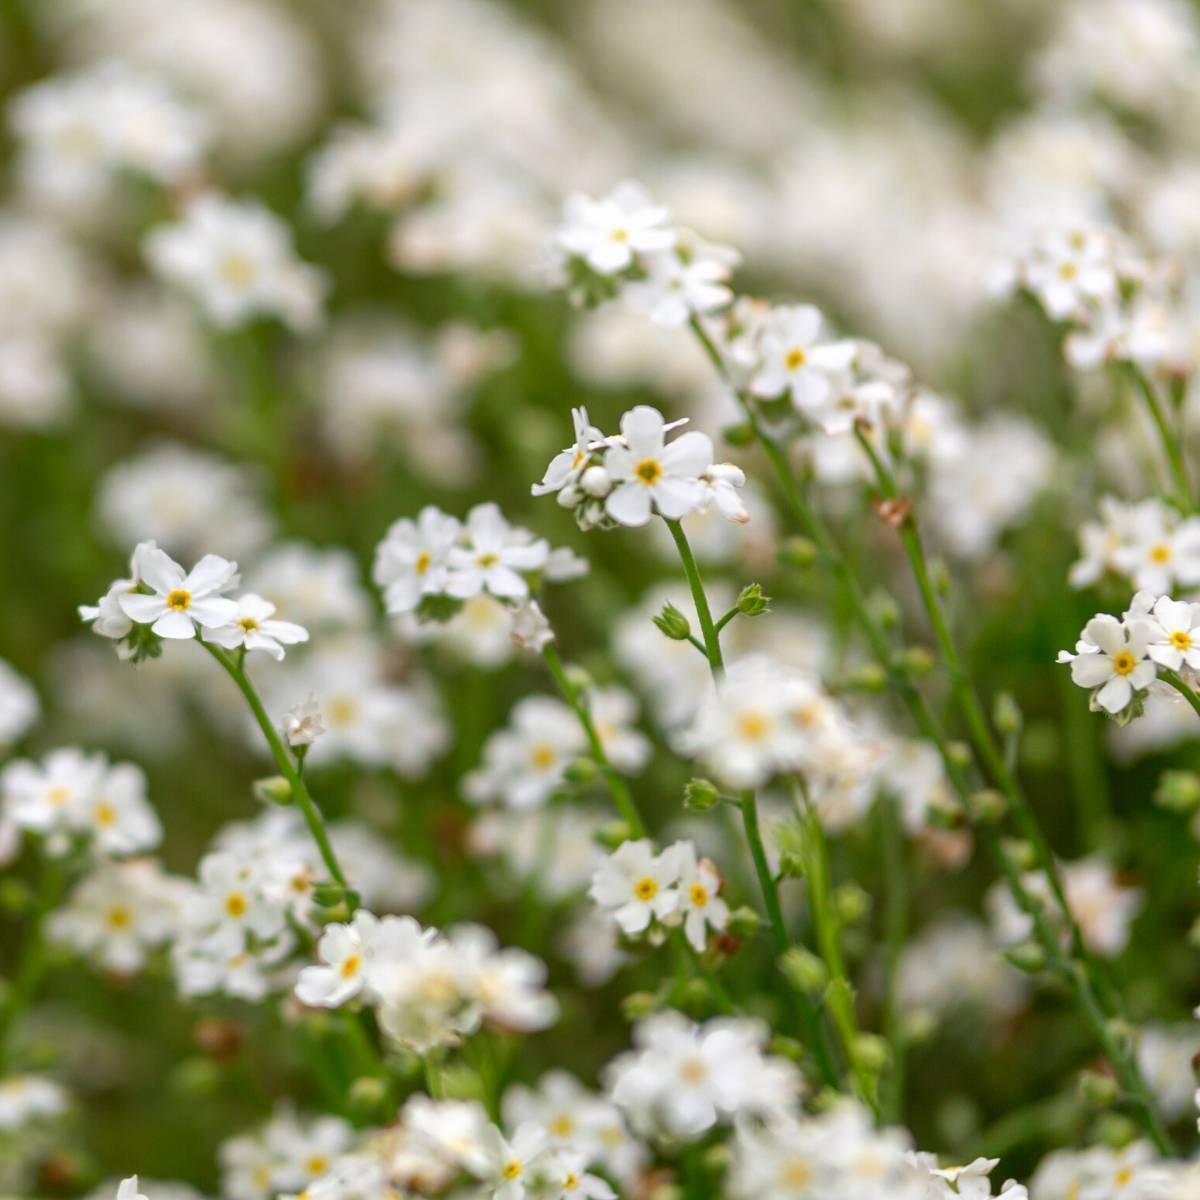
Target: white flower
411, 561
117, 813
721, 484
24, 1098
128, 1189
568, 465
651, 474
237, 260
253, 626
608, 233
231, 903
53, 796
509, 1168
700, 902
636, 886
1175, 633
567, 1176
1071, 269
530, 628
796, 359
182, 601
1115, 662
19, 705
683, 1078
343, 949
495, 555
680, 284
302, 723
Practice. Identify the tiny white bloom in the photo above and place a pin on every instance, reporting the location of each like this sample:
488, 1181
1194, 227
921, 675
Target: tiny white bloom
181, 600
253, 626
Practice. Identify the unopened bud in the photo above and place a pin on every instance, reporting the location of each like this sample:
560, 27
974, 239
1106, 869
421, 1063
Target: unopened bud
329, 893
804, 971
798, 553
1028, 957
884, 609
751, 602
791, 864
867, 677
852, 903
367, 1097
672, 623
637, 1005
915, 662
743, 922
872, 1051
595, 482
1097, 1090
959, 754
738, 435
986, 807
786, 1047
274, 790
1178, 791
700, 795
1021, 853
581, 772
613, 833
940, 575
1006, 714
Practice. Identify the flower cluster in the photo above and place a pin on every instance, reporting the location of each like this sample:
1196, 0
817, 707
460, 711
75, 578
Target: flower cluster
429, 989
1120, 661
1148, 543
160, 599
639, 889
625, 478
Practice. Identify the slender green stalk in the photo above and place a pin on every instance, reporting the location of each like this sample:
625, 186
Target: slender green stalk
617, 787
1082, 985
1170, 438
708, 630
31, 968
895, 932
749, 810
839, 996
288, 769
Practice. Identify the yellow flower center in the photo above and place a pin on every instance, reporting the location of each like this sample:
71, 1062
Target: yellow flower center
318, 1164
795, 358
1181, 640
179, 600
248, 624
423, 561
118, 917
58, 796
542, 756
753, 726
105, 814
698, 894
571, 1182
487, 560
1123, 1176
648, 471
693, 1070
350, 965
235, 904
646, 888
796, 1174
1124, 662
342, 711
1160, 552
511, 1169
1068, 270
237, 270
619, 234
563, 1125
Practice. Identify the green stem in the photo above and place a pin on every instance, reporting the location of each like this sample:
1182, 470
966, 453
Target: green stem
1124, 1064
1171, 441
289, 770
32, 966
708, 630
839, 996
895, 925
617, 787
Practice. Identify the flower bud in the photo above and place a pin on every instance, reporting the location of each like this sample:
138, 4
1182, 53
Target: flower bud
367, 1098
959, 754
741, 434
804, 971
329, 893
915, 662
581, 772
744, 922
1006, 714
852, 903
1097, 1090
595, 482
569, 496
1178, 791
884, 609
872, 1051
700, 795
791, 864
1028, 957
637, 1005
986, 807
867, 677
751, 602
798, 553
673, 623
1021, 852
273, 790
613, 834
